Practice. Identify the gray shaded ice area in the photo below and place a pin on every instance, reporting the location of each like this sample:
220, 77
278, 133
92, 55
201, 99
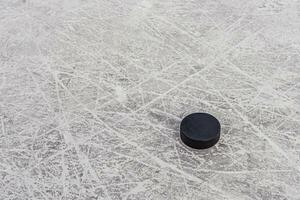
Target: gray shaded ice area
92, 93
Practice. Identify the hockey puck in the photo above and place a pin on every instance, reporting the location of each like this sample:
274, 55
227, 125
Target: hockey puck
200, 130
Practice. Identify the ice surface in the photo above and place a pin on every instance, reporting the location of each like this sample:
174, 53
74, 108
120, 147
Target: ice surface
92, 93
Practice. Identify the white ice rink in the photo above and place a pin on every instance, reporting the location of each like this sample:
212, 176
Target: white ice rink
92, 93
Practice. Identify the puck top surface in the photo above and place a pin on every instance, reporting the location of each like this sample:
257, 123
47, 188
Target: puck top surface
200, 130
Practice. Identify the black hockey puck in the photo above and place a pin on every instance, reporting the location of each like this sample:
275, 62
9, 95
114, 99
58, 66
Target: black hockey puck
200, 130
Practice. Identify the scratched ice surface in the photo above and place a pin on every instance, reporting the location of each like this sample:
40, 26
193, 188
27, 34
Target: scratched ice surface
92, 93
